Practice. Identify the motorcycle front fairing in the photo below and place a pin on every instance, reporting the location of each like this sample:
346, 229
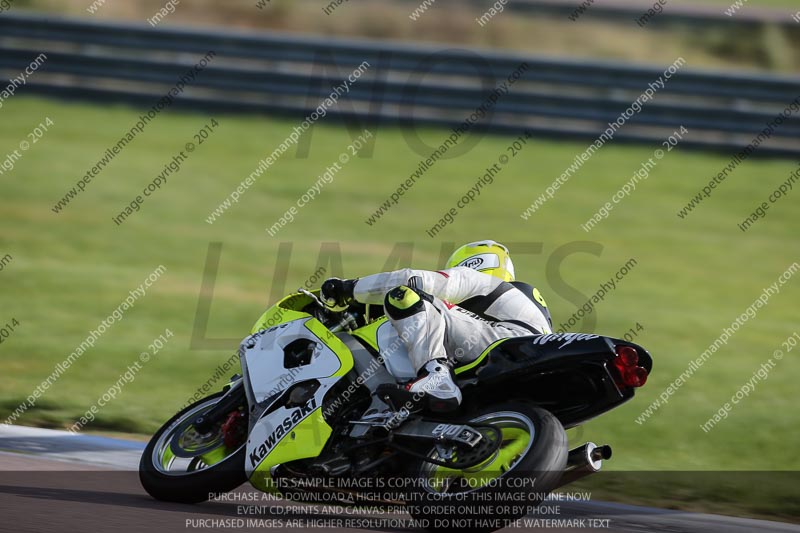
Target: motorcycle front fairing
288, 370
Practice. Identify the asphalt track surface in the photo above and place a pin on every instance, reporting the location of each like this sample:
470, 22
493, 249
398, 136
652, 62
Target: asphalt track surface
56, 482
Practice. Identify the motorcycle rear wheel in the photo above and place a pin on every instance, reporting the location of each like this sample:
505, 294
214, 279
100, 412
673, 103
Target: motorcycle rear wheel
516, 478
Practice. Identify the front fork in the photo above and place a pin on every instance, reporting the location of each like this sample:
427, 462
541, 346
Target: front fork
231, 400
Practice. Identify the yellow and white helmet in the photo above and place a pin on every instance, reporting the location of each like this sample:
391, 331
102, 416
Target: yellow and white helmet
484, 256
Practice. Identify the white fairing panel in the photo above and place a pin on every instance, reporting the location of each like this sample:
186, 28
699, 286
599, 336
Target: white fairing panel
394, 352
265, 360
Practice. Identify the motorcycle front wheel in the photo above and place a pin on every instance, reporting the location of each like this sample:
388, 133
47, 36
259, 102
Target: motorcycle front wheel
191, 479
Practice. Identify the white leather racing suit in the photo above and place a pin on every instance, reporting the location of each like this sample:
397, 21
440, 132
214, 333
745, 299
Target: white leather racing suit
468, 311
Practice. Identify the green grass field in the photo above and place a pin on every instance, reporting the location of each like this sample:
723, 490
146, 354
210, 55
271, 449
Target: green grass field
693, 278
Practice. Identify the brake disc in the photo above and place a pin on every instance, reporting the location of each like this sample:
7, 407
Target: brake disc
186, 442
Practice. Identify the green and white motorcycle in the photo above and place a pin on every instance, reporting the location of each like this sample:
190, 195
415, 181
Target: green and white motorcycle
317, 415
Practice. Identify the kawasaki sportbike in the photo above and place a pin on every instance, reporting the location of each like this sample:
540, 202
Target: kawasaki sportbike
317, 415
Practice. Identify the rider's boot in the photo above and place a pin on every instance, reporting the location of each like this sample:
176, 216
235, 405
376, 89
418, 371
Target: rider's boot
435, 381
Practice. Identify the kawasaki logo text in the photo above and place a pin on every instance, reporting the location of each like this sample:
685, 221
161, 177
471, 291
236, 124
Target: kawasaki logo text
282, 429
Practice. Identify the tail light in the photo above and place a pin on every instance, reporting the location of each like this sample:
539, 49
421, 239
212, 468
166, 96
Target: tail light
626, 362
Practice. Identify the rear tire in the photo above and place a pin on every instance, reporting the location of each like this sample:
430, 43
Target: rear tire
525, 474
192, 486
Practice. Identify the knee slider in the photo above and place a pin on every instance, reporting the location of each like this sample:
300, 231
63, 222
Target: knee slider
402, 302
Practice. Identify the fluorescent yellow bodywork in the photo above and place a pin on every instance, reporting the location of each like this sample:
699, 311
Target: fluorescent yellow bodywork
306, 440
369, 333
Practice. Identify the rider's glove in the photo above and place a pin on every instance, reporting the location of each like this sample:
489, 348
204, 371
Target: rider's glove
337, 293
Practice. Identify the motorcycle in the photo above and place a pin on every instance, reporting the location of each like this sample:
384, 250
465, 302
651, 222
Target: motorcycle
317, 415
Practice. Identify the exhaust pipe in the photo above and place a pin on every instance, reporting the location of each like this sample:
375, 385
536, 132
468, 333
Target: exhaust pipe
584, 461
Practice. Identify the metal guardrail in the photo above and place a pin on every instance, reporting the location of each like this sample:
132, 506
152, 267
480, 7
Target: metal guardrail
405, 85
696, 14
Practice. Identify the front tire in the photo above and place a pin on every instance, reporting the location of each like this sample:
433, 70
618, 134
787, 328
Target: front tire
519, 475
164, 478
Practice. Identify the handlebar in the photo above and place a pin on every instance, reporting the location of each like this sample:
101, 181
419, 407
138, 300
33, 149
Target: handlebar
347, 323
348, 319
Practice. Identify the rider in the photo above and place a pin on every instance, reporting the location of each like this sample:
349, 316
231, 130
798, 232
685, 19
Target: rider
452, 315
